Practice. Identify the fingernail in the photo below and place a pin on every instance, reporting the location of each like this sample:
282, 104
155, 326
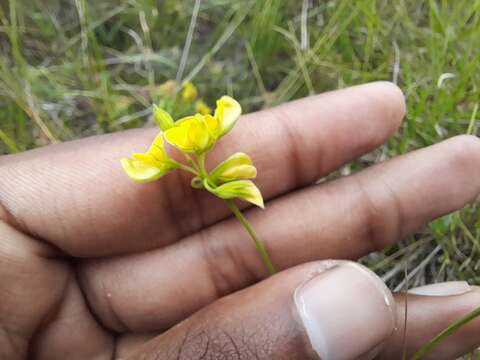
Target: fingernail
448, 288
347, 311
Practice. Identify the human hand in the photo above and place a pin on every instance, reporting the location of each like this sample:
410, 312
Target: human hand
94, 267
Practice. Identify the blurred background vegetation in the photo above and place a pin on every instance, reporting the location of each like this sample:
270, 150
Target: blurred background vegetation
74, 68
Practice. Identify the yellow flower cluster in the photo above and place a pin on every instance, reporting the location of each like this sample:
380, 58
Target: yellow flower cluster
194, 136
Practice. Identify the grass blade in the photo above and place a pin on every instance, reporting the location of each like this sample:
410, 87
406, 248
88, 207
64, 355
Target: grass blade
432, 344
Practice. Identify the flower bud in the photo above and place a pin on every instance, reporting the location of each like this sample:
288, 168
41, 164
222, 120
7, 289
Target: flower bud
162, 118
202, 108
189, 92
236, 167
197, 183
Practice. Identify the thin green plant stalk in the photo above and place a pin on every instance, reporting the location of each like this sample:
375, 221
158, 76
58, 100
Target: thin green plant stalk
429, 346
11, 145
239, 215
471, 125
258, 243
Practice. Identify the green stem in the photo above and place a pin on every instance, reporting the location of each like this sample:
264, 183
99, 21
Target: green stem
191, 162
429, 346
258, 244
201, 163
186, 168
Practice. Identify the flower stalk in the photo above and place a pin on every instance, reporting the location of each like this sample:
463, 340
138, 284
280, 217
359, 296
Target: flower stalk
450, 330
258, 243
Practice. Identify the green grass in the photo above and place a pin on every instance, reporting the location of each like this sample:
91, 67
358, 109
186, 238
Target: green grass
75, 68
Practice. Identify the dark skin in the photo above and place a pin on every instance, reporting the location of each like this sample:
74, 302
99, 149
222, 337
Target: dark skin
93, 266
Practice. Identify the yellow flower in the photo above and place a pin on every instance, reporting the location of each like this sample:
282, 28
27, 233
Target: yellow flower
227, 113
241, 189
202, 108
236, 167
193, 134
189, 92
151, 165
197, 134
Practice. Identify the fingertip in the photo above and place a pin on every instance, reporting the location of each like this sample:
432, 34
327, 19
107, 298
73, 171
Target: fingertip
461, 156
392, 100
432, 309
466, 149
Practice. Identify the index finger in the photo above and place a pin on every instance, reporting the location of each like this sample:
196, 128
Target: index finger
75, 195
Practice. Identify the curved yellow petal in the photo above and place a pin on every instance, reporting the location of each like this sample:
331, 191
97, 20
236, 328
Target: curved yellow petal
178, 137
146, 158
141, 171
240, 189
157, 149
254, 197
199, 135
227, 113
235, 159
190, 135
239, 172
185, 120
213, 125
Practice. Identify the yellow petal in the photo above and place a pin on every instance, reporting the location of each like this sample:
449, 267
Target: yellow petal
255, 197
241, 189
157, 149
190, 135
240, 172
178, 137
237, 158
199, 135
151, 165
162, 118
186, 120
141, 171
236, 167
227, 113
213, 126
145, 158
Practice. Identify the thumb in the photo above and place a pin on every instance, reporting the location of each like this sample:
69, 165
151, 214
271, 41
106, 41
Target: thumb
327, 310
